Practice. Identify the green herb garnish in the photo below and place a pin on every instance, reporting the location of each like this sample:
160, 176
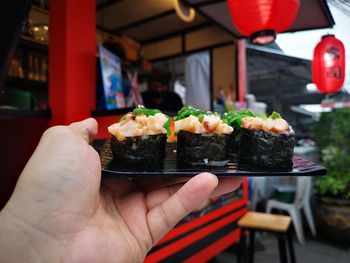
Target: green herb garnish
123, 118
234, 119
275, 115
167, 125
186, 111
141, 110
261, 115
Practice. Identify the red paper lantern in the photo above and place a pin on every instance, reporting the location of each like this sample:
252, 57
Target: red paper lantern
261, 19
328, 64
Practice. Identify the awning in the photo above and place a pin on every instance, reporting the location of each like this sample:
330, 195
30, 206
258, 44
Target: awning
277, 78
155, 20
312, 14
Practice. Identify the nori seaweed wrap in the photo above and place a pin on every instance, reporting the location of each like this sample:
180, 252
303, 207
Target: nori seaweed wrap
202, 137
267, 149
234, 119
267, 143
140, 136
146, 149
210, 149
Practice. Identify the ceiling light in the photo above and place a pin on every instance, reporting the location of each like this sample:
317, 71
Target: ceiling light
191, 13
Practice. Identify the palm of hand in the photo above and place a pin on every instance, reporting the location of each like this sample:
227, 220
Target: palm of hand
69, 215
114, 232
93, 224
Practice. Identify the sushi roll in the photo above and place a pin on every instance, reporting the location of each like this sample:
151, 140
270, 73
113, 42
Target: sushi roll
234, 119
202, 137
267, 142
140, 136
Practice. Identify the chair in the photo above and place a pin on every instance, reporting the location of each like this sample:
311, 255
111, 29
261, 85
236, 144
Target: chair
301, 201
277, 224
258, 189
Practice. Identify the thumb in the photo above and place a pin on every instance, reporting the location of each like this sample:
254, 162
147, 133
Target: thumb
189, 197
87, 129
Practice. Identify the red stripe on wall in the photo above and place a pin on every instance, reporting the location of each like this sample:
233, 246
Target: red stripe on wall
195, 236
202, 220
213, 249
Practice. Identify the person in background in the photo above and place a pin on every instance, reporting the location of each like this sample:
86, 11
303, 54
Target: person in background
158, 95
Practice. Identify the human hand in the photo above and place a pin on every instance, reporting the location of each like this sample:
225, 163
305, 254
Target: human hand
61, 211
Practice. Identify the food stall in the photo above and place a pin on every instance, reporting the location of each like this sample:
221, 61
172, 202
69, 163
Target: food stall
154, 29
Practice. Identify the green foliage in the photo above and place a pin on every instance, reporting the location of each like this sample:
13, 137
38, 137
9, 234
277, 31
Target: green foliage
332, 135
333, 129
186, 111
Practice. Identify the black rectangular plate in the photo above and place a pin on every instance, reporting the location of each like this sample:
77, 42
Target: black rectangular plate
170, 167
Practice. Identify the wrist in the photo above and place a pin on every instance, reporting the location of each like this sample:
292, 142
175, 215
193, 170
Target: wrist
20, 242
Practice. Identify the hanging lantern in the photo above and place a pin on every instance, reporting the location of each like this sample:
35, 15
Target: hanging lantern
328, 64
261, 19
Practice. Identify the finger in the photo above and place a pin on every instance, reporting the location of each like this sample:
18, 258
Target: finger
159, 183
165, 216
158, 196
87, 129
226, 185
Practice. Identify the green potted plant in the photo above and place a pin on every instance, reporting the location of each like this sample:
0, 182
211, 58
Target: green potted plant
332, 135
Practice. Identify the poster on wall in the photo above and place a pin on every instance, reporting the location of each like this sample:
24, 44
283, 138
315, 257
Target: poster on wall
111, 79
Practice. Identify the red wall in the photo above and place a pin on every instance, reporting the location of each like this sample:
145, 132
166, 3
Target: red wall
103, 123
18, 139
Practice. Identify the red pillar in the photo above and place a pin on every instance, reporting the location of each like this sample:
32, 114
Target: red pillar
72, 59
242, 69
